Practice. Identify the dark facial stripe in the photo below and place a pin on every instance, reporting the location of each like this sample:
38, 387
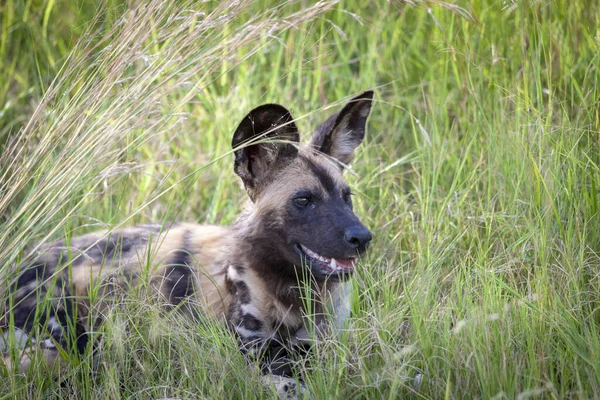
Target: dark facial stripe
321, 173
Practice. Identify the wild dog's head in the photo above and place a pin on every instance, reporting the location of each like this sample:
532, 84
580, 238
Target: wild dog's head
302, 214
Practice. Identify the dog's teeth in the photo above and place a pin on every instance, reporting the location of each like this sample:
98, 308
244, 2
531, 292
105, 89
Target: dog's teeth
319, 257
310, 252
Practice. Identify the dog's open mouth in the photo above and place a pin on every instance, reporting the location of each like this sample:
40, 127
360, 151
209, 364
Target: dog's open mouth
326, 265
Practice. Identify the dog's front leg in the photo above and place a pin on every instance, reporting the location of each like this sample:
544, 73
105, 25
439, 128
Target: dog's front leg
274, 358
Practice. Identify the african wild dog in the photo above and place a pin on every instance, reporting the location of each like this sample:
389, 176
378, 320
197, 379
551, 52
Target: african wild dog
298, 226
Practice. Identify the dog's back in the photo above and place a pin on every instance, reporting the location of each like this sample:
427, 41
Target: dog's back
77, 279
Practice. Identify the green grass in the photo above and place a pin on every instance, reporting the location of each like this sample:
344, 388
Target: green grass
479, 178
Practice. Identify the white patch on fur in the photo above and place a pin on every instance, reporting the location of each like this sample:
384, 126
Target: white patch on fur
54, 326
339, 304
250, 309
245, 333
47, 344
286, 388
344, 143
233, 275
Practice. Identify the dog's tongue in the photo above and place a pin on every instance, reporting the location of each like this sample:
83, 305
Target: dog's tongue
346, 264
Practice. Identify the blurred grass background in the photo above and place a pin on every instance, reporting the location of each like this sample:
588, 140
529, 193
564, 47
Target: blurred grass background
479, 178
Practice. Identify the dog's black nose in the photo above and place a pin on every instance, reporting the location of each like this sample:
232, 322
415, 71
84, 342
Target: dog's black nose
358, 237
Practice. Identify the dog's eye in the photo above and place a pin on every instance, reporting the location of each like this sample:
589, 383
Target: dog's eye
302, 201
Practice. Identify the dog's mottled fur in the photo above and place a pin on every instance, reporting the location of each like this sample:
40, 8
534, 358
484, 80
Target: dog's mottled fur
299, 230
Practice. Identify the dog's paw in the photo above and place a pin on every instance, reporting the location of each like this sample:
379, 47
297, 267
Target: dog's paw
286, 388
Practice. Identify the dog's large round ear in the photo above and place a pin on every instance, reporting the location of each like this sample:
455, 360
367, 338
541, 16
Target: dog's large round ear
266, 138
343, 132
